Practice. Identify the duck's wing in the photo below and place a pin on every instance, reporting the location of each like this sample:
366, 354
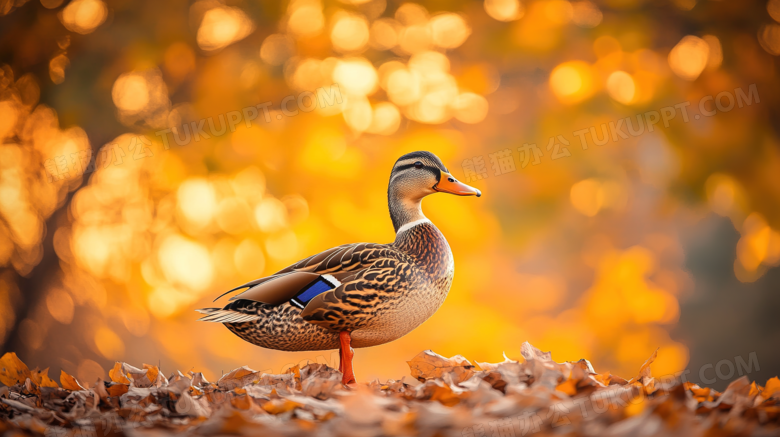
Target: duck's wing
340, 260
302, 281
362, 296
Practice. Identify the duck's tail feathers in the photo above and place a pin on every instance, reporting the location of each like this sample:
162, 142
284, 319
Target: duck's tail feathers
219, 315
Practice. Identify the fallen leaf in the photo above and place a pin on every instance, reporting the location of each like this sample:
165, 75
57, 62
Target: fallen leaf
312, 401
198, 380
100, 389
603, 378
569, 387
279, 406
531, 353
238, 378
138, 377
152, 373
241, 402
772, 388
585, 365
12, 370
117, 389
69, 383
439, 391
754, 391
428, 364
41, 378
21, 406
493, 366
238, 373
191, 407
702, 394
117, 375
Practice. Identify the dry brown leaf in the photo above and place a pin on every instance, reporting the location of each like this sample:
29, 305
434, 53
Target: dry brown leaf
233, 424
70, 383
139, 377
13, 370
754, 391
569, 387
152, 374
117, 375
702, 394
644, 371
116, 389
238, 373
198, 380
241, 402
531, 353
428, 364
585, 365
295, 370
772, 388
603, 378
493, 366
186, 405
21, 406
441, 392
614, 379
238, 378
41, 378
279, 406
312, 401
100, 389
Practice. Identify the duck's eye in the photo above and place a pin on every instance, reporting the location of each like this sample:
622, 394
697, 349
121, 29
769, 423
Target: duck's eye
418, 164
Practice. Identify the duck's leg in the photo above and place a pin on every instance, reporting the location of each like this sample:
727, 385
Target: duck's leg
345, 358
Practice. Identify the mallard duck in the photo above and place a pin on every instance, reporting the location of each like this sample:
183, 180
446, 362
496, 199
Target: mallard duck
356, 295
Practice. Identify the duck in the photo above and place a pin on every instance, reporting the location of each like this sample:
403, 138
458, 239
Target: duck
360, 294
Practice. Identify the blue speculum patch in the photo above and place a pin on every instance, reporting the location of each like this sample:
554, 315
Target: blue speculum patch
314, 289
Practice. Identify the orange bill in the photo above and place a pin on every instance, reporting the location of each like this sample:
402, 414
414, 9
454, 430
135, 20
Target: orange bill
448, 184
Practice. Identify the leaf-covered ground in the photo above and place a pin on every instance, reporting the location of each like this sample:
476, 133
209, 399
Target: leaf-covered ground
453, 397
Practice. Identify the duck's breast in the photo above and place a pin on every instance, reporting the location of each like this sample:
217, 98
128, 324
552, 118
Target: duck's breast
422, 291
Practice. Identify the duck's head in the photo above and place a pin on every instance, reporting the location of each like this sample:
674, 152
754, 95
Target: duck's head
414, 176
418, 174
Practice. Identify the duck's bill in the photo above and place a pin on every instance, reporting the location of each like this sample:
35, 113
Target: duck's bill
448, 184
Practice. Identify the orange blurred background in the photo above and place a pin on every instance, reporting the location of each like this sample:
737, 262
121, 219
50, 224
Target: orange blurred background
668, 239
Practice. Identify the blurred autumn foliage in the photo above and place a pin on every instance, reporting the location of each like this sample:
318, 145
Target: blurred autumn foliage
110, 237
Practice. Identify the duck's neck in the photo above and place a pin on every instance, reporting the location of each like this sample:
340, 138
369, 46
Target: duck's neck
403, 210
426, 245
